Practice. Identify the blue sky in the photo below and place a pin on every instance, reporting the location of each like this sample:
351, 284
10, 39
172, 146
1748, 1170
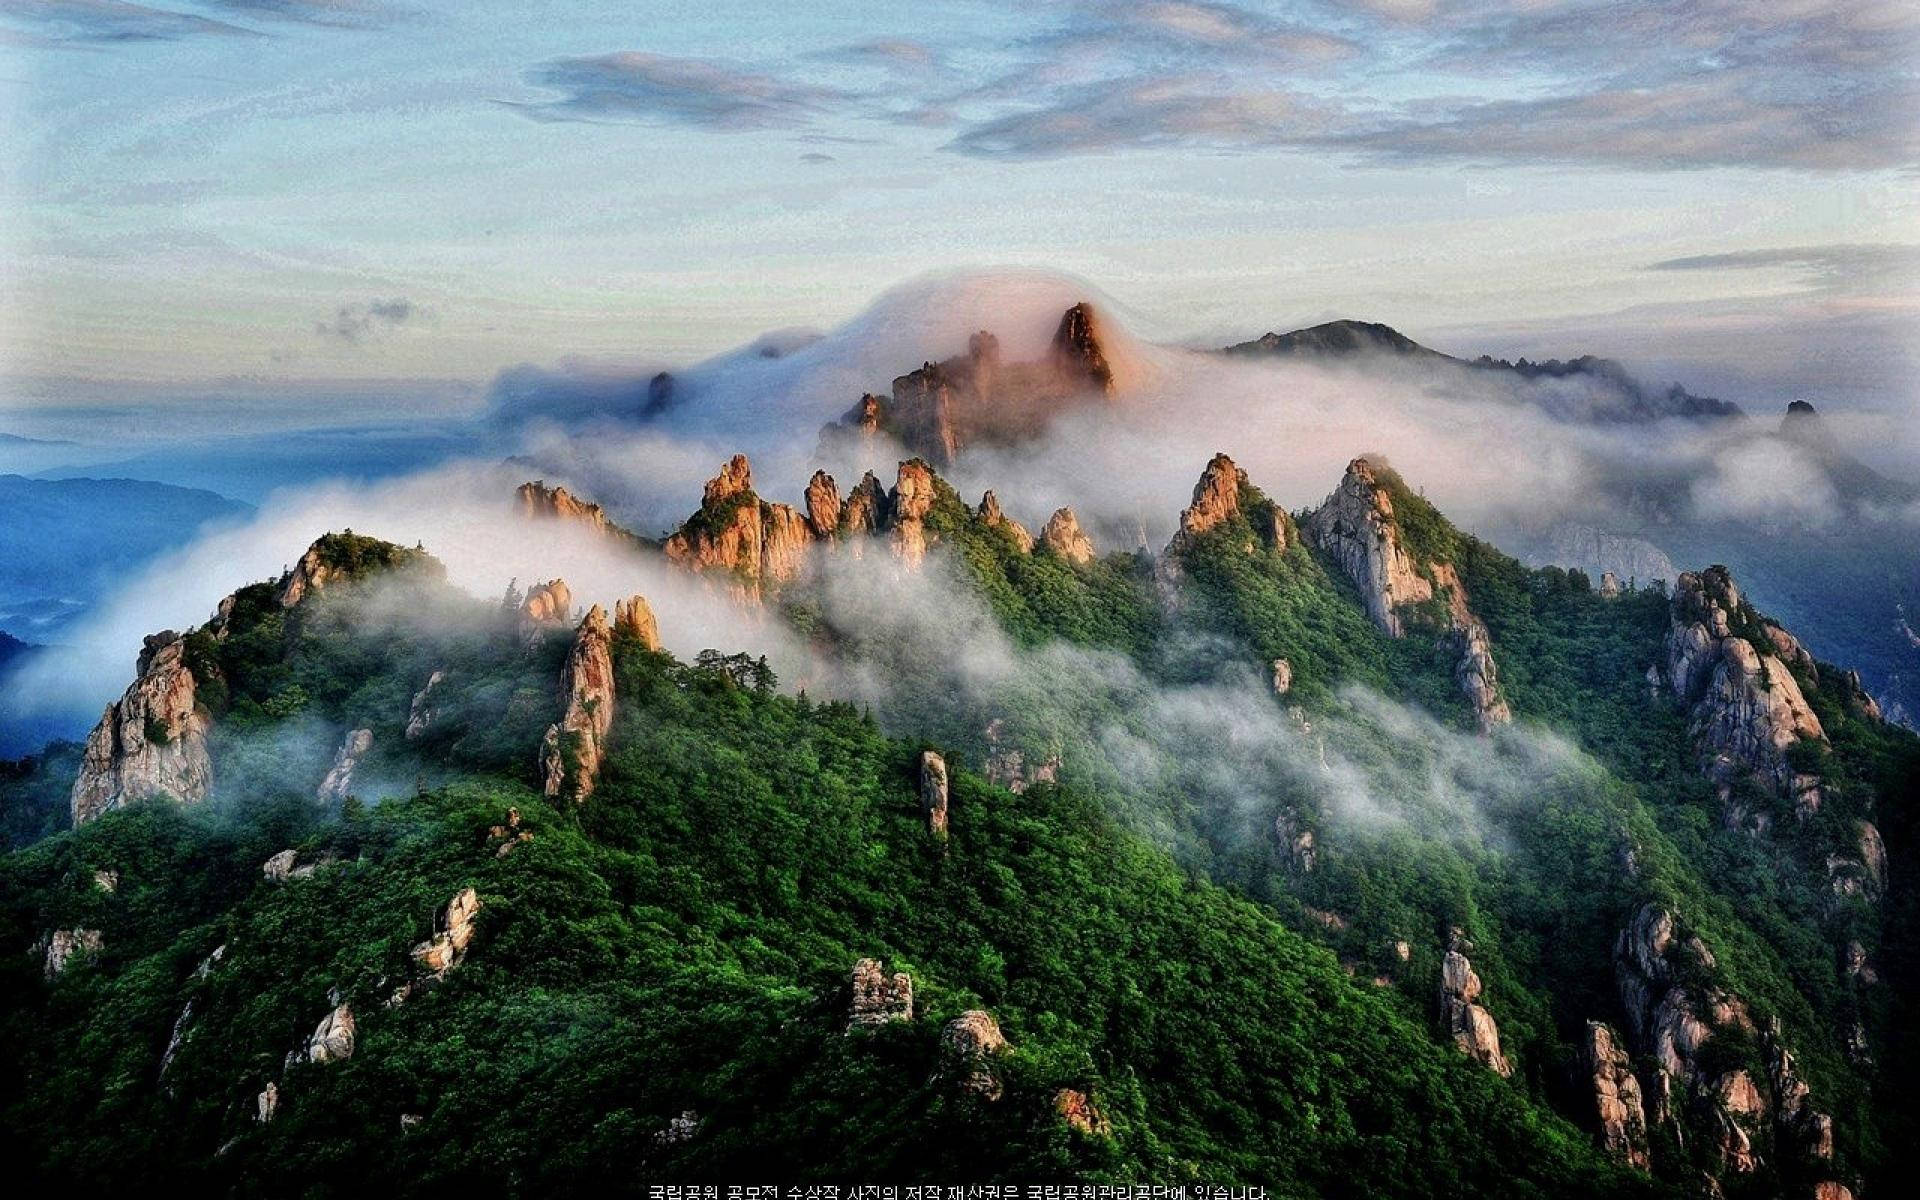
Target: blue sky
305, 193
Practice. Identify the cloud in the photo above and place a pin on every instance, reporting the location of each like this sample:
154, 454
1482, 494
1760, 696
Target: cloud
635, 85
1848, 267
358, 323
109, 21
338, 13
1100, 118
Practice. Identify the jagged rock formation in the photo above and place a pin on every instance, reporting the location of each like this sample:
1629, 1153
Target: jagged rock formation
581, 734
1746, 710
969, 1042
420, 712
453, 931
1609, 585
1297, 840
1282, 676
333, 1038
823, 505
279, 868
1616, 1097
1357, 527
865, 511
941, 408
535, 501
548, 603
1080, 1113
1064, 537
758, 543
991, 516
151, 742
63, 944
879, 998
339, 781
633, 617
267, 1103
933, 792
312, 573
1216, 500
504, 838
908, 505
1468, 1022
108, 881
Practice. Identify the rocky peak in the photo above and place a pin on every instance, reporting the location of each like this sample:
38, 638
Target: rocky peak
547, 603
866, 508
734, 479
823, 505
879, 998
1468, 1022
581, 734
1356, 526
338, 783
633, 617
1077, 350
537, 501
1064, 537
912, 498
1216, 500
151, 742
991, 516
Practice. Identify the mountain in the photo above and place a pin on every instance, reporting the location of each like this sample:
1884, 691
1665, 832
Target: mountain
1608, 391
62, 542
1331, 850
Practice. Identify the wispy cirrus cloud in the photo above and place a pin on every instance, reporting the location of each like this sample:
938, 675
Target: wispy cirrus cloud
108, 21
1849, 267
639, 86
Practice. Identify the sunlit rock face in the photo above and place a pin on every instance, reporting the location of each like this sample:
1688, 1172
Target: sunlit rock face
581, 733
879, 998
1618, 1109
151, 742
1464, 1019
980, 398
1358, 528
536, 501
1064, 537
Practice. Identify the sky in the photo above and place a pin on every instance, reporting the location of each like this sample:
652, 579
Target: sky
360, 200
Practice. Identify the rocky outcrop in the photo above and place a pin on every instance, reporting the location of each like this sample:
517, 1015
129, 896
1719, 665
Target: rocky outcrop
267, 1103
865, 511
1282, 676
933, 792
633, 617
63, 945
725, 535
1216, 500
1358, 528
785, 535
879, 998
991, 516
535, 501
1007, 765
1464, 1019
107, 881
1080, 1113
312, 573
1609, 585
549, 603
453, 930
908, 504
823, 505
279, 868
151, 742
421, 712
1064, 537
1745, 709
571, 752
1618, 1109
338, 783
1296, 840
943, 407
332, 1039
968, 1043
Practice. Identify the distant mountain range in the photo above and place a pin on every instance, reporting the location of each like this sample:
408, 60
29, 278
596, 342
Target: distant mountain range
1613, 392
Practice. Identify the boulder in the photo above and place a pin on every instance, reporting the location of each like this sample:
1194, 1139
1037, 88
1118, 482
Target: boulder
1282, 677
